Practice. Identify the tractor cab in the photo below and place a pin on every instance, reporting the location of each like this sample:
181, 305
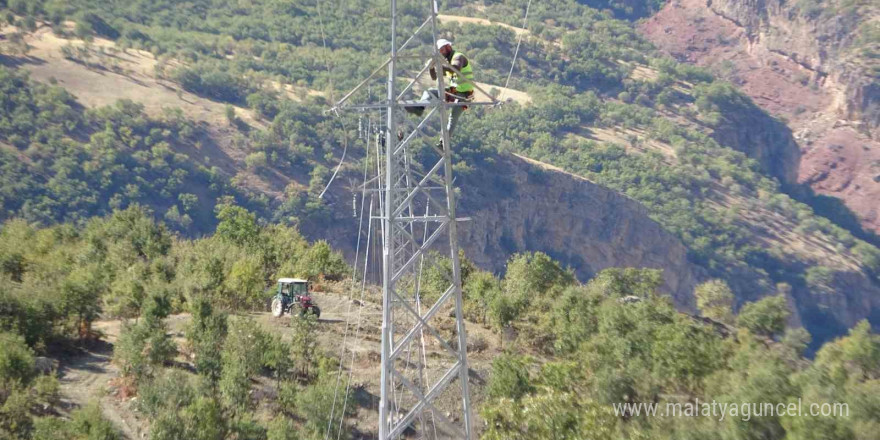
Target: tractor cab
293, 292
293, 287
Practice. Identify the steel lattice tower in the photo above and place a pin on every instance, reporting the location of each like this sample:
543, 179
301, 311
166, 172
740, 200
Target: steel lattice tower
424, 367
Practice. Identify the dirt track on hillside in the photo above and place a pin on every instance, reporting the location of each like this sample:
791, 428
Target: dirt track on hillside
89, 374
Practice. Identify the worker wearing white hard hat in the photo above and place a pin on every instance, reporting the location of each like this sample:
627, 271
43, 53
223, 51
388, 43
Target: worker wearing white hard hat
458, 81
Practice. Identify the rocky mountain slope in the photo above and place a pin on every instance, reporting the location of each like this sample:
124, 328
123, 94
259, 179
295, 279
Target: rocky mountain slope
523, 205
658, 166
814, 65
510, 206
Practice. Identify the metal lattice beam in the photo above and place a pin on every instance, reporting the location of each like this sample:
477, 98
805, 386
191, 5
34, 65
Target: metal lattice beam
418, 221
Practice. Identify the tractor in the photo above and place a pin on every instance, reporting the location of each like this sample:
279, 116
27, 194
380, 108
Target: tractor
293, 292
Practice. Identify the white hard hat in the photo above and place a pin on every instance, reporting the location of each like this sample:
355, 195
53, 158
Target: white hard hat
443, 42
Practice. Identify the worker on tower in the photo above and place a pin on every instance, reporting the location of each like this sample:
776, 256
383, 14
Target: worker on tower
459, 83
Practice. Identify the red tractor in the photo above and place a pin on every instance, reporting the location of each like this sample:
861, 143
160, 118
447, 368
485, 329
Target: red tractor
293, 292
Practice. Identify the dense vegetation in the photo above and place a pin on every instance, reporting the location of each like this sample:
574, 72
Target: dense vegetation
572, 350
63, 163
55, 282
580, 349
69, 164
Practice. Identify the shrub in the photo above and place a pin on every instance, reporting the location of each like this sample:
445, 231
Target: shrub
242, 359
304, 341
143, 347
168, 392
715, 301
213, 81
287, 392
256, 161
206, 334
766, 317
276, 355
282, 428
203, 420
510, 378
16, 360
86, 423
819, 277
315, 403
868, 255
322, 261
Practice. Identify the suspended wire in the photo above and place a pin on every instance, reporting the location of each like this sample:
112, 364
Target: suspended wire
341, 159
424, 358
358, 327
324, 43
351, 293
368, 258
518, 43
341, 121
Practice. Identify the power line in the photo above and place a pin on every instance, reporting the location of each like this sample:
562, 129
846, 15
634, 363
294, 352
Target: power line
518, 43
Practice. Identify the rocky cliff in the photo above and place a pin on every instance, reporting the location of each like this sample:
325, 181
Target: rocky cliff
831, 39
521, 205
747, 128
582, 224
813, 64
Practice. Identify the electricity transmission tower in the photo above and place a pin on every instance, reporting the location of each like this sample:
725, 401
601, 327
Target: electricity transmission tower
424, 371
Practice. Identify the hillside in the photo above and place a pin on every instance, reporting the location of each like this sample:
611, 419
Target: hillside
706, 163
182, 352
812, 63
634, 230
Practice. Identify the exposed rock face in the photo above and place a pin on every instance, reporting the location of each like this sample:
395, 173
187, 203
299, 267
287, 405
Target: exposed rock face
521, 205
851, 298
805, 65
577, 222
825, 41
767, 140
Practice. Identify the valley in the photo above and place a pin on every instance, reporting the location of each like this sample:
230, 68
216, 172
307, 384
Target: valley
674, 201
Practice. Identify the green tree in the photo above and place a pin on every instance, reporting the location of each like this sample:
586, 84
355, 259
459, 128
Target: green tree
766, 317
314, 405
16, 360
85, 423
548, 415
715, 301
206, 335
532, 275
510, 378
237, 225
480, 291
845, 370
303, 340
246, 282
242, 359
321, 261
755, 373
203, 420
282, 428
144, 347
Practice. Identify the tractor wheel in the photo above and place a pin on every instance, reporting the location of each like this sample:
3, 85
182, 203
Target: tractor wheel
316, 311
277, 308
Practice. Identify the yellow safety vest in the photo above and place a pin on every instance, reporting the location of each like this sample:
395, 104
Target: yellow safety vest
466, 84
